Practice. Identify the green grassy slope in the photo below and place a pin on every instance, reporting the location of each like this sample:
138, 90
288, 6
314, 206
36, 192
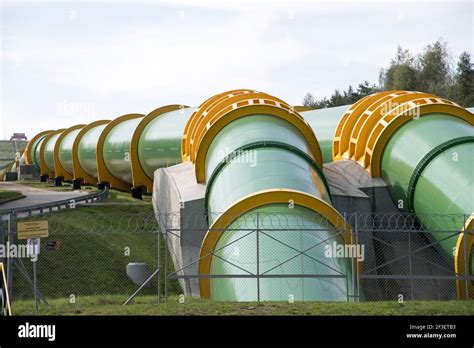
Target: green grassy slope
92, 257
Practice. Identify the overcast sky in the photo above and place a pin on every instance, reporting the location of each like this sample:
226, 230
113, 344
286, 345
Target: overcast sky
69, 63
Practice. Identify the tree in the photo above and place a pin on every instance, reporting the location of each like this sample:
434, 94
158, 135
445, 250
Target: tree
309, 101
402, 72
435, 72
465, 80
428, 72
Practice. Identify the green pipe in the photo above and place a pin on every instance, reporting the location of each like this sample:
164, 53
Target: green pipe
65, 150
160, 141
239, 247
117, 149
35, 152
277, 159
428, 165
87, 150
49, 151
324, 123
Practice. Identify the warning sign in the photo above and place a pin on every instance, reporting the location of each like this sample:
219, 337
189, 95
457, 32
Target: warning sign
33, 229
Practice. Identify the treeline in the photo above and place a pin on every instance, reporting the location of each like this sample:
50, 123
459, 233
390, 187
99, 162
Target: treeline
430, 71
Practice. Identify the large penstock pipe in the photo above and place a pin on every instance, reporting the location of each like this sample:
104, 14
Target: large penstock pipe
156, 143
423, 147
324, 123
32, 149
45, 153
262, 163
84, 152
113, 152
63, 163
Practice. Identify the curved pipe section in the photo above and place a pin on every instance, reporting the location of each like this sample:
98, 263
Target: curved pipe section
63, 164
84, 152
324, 123
32, 148
113, 152
423, 147
45, 153
156, 143
257, 155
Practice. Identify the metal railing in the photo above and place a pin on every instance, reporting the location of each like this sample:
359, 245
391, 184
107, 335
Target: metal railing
56, 205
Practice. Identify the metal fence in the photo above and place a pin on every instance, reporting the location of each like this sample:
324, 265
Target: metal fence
256, 257
86, 253
263, 256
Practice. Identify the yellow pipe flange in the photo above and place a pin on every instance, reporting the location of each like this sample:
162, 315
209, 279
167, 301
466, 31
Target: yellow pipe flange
233, 112
139, 177
345, 125
58, 166
389, 124
366, 122
225, 105
104, 175
201, 112
461, 260
195, 116
253, 201
28, 159
44, 169
78, 172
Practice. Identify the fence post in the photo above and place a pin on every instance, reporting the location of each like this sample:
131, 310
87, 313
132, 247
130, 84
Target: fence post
258, 261
349, 297
410, 265
166, 258
357, 278
11, 240
3, 236
158, 264
466, 254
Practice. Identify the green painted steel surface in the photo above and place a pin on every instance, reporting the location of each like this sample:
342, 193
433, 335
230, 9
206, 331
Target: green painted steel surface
160, 142
275, 168
447, 187
267, 166
279, 255
35, 151
324, 123
260, 168
49, 151
446, 184
117, 149
87, 150
65, 150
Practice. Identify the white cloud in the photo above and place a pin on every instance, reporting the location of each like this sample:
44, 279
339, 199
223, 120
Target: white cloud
193, 49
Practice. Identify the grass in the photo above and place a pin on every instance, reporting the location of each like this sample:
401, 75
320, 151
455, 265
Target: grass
96, 244
147, 305
7, 196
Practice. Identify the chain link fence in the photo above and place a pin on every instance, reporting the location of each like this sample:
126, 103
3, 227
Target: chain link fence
252, 257
292, 256
86, 253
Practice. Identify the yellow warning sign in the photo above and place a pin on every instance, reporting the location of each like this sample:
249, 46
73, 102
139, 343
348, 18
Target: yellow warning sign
33, 229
